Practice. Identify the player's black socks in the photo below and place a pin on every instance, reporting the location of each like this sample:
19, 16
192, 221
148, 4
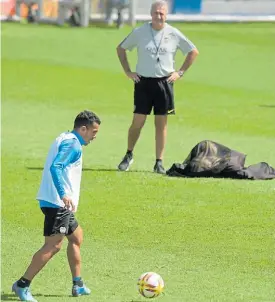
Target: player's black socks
158, 161
78, 281
23, 282
129, 152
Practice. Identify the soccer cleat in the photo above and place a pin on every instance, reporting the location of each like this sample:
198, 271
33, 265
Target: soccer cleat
80, 291
126, 162
23, 293
158, 168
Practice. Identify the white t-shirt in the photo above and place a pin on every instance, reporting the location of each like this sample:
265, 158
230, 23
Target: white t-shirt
71, 175
156, 49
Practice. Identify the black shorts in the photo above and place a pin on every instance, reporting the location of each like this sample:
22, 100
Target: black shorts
58, 221
154, 93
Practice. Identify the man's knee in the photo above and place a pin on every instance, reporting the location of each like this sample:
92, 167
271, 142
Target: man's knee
53, 246
137, 126
160, 121
76, 237
138, 122
77, 241
56, 248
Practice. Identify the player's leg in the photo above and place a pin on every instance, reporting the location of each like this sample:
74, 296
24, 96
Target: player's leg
73, 251
133, 136
55, 227
142, 108
163, 105
160, 137
135, 129
51, 246
75, 239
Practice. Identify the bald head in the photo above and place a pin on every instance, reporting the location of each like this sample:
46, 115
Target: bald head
159, 4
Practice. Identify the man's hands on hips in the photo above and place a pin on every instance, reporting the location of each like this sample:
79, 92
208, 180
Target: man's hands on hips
133, 76
136, 78
68, 203
173, 77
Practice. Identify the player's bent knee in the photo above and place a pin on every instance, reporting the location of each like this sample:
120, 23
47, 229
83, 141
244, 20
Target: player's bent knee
77, 240
76, 237
53, 246
57, 248
54, 249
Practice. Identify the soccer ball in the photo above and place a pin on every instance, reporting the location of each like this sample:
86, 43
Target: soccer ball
150, 285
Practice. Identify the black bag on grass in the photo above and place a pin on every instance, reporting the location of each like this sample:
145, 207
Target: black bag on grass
210, 159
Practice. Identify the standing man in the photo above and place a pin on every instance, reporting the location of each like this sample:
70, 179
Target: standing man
120, 6
58, 198
157, 43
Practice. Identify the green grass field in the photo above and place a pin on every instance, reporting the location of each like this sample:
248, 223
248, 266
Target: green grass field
210, 239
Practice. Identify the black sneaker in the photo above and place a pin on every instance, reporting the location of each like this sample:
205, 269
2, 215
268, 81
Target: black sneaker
126, 162
158, 168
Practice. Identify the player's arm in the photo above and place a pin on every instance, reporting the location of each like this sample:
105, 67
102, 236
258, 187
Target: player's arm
122, 55
129, 43
67, 154
188, 49
190, 58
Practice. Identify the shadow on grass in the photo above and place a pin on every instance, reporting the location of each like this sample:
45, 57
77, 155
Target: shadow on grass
8, 297
267, 106
132, 301
97, 170
52, 296
98, 24
12, 297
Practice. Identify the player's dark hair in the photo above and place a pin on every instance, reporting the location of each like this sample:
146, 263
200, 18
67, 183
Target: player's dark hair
86, 118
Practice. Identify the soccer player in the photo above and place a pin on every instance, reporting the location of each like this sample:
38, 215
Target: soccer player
157, 43
58, 199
